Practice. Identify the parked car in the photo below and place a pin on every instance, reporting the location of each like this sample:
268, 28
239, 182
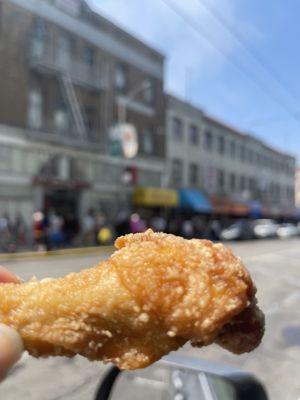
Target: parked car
285, 231
265, 228
240, 230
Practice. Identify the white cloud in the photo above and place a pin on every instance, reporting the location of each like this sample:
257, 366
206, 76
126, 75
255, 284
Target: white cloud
187, 52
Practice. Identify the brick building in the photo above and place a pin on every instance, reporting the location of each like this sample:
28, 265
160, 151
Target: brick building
65, 72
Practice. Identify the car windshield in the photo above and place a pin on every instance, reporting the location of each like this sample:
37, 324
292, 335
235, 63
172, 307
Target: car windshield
121, 116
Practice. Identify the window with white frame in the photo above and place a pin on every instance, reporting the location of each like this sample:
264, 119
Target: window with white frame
177, 171
148, 145
208, 140
177, 129
61, 118
149, 91
194, 134
121, 77
38, 38
64, 51
35, 109
193, 174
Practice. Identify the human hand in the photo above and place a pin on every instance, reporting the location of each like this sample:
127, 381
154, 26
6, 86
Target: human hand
11, 346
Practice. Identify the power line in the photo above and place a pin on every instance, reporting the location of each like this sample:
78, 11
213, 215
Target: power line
197, 28
219, 17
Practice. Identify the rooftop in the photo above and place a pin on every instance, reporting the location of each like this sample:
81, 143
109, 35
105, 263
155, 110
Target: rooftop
231, 128
123, 31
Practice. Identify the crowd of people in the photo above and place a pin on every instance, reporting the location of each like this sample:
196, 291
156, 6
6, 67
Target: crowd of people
49, 230
13, 233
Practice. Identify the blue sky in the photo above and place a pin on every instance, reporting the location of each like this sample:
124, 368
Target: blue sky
195, 70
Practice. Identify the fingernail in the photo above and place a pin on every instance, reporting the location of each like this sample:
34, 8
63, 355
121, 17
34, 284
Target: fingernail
11, 347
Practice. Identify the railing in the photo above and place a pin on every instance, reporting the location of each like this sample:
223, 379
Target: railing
80, 73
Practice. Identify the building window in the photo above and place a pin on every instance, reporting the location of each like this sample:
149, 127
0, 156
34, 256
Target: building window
232, 149
252, 184
242, 152
208, 140
193, 174
35, 109
148, 145
61, 118
149, 91
64, 51
221, 145
194, 134
232, 182
90, 121
221, 179
177, 171
291, 195
242, 183
121, 78
177, 128
39, 38
250, 156
258, 159
89, 56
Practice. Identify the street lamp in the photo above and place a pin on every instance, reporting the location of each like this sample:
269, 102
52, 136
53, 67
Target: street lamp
124, 134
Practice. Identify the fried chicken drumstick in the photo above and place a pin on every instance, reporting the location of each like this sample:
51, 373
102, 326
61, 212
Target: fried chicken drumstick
154, 294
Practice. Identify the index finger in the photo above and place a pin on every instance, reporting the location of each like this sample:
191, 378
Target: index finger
8, 277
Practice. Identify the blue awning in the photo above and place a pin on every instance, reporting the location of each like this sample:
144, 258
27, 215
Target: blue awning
194, 200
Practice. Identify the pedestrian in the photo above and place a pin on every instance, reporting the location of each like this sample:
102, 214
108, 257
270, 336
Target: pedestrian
137, 224
158, 223
5, 234
174, 226
122, 224
199, 227
39, 230
104, 233
88, 228
187, 229
19, 230
55, 230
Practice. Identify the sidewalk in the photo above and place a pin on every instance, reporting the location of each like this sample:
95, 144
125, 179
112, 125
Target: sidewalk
60, 252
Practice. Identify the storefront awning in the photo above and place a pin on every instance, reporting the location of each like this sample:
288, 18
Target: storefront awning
239, 209
223, 205
155, 197
194, 200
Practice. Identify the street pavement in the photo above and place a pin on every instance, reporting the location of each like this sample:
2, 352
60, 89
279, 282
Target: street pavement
275, 267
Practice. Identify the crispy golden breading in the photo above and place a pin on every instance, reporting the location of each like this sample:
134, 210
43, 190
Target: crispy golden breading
154, 294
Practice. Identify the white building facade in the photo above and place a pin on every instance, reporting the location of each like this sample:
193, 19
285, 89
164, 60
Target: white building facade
208, 155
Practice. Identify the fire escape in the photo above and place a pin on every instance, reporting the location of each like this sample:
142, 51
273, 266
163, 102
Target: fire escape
70, 74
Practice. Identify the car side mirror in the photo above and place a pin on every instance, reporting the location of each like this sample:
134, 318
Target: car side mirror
181, 378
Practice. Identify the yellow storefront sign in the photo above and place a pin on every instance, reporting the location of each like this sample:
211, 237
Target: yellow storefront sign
155, 197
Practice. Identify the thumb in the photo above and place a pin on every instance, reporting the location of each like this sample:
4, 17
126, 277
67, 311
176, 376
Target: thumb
11, 348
